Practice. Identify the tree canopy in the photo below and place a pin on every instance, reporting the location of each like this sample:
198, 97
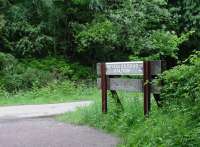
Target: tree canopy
99, 30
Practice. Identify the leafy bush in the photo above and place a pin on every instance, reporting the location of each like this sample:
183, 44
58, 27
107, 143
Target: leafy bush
81, 72
15, 76
97, 40
61, 68
21, 78
182, 89
29, 78
23, 39
163, 129
34, 28
25, 74
182, 83
7, 62
97, 33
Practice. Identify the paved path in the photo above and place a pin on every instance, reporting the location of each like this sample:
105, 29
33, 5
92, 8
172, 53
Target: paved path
46, 132
31, 111
16, 131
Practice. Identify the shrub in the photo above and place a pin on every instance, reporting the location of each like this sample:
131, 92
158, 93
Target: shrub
25, 74
24, 79
7, 62
16, 76
81, 72
61, 68
25, 40
182, 88
182, 83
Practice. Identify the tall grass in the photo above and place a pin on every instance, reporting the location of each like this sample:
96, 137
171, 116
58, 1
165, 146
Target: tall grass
56, 92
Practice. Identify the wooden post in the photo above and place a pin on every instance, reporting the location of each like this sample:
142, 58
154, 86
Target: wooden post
104, 87
147, 87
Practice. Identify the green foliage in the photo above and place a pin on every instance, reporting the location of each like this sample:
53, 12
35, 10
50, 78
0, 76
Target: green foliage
98, 40
163, 129
182, 90
54, 92
98, 30
137, 21
181, 84
2, 22
161, 44
102, 33
189, 10
25, 79
15, 76
186, 12
165, 43
136, 28
61, 68
27, 74
7, 62
26, 40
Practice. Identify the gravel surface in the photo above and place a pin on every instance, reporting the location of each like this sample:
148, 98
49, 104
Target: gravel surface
47, 132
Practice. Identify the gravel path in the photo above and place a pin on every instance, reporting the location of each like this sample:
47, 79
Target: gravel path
20, 126
47, 132
31, 111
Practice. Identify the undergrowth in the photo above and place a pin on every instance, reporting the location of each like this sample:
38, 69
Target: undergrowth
54, 92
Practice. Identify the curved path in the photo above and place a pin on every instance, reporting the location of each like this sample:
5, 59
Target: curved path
46, 132
32, 111
21, 127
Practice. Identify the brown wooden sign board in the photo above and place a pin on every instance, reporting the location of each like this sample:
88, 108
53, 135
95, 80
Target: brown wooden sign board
129, 68
145, 68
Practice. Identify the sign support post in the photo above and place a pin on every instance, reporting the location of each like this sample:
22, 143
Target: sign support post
147, 87
104, 87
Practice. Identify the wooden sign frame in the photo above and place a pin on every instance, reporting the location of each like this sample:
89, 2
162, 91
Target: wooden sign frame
147, 69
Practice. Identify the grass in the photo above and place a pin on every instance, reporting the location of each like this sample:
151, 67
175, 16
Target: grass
163, 128
58, 92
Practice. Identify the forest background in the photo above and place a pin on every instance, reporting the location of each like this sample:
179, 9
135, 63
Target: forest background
67, 38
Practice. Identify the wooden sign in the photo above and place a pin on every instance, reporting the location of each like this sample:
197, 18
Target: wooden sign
145, 68
129, 68
130, 85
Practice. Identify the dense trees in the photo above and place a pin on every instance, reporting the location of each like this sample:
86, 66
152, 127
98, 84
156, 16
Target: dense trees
95, 30
89, 31
187, 13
